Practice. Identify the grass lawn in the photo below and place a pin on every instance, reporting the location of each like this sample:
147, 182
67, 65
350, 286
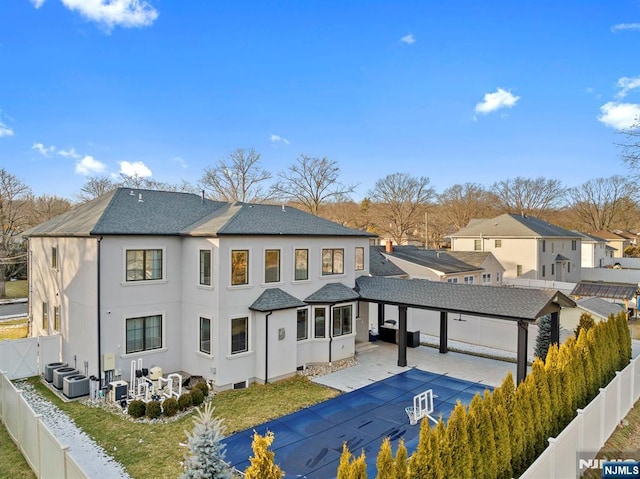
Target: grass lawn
12, 463
16, 289
153, 450
13, 329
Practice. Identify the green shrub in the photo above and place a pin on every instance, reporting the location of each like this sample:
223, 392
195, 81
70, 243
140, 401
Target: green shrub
586, 322
154, 409
137, 408
170, 407
202, 386
197, 397
184, 401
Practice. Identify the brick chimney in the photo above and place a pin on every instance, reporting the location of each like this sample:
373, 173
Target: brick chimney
389, 247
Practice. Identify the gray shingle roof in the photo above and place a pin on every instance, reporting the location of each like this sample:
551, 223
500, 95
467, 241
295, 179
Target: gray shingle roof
127, 211
601, 289
493, 301
274, 299
381, 266
599, 306
434, 259
510, 226
332, 293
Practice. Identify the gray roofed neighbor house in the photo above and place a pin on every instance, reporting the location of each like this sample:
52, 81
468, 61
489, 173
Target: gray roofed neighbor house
332, 293
511, 226
474, 258
599, 306
274, 299
127, 211
433, 259
601, 289
381, 266
493, 301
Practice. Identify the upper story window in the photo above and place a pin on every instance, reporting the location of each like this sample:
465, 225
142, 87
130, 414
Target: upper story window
359, 258
497, 244
302, 324
333, 261
477, 245
497, 277
272, 266
239, 267
301, 264
468, 280
239, 335
144, 333
544, 270
452, 280
144, 264
205, 335
45, 316
486, 278
205, 267
544, 246
342, 320
56, 318
553, 269
574, 245
54, 257
518, 270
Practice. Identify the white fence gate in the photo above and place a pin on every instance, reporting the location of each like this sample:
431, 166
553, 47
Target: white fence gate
23, 358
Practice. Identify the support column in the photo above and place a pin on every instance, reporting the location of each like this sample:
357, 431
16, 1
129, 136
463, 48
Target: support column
380, 314
555, 328
402, 336
523, 337
444, 335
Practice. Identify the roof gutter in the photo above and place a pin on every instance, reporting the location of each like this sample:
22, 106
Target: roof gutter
99, 376
266, 348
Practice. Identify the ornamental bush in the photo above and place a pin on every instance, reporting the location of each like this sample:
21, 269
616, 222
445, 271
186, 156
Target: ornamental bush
137, 408
170, 407
197, 397
154, 409
184, 401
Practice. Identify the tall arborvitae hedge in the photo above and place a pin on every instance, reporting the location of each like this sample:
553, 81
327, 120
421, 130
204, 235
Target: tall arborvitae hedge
384, 462
262, 462
401, 461
503, 432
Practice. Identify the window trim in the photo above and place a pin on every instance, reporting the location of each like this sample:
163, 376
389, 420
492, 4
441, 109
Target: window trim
358, 267
324, 322
333, 320
295, 264
200, 337
279, 265
54, 258
306, 322
333, 261
247, 349
163, 265
247, 268
56, 318
477, 245
162, 333
497, 243
200, 268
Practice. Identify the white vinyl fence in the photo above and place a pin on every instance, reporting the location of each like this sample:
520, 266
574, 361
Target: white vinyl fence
42, 451
23, 358
569, 455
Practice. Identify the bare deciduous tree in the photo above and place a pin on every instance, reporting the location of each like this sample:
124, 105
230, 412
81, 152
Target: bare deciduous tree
238, 177
401, 200
311, 182
44, 207
96, 186
13, 219
630, 150
538, 197
599, 202
461, 203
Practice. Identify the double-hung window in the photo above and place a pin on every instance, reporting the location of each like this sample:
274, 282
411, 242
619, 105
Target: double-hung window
468, 280
574, 245
144, 264
239, 267
45, 316
359, 258
302, 264
497, 244
518, 270
143, 333
452, 280
302, 324
342, 316
319, 322
333, 261
272, 266
205, 267
239, 335
54, 257
56, 318
477, 245
205, 335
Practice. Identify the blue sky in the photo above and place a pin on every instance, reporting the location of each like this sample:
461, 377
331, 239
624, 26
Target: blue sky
464, 91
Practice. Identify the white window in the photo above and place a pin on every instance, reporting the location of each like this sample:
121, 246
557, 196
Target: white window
205, 267
239, 267
45, 316
468, 280
452, 280
144, 264
302, 264
239, 335
486, 278
54, 257
56, 318
359, 258
519, 268
205, 335
497, 277
302, 324
143, 333
477, 245
498, 244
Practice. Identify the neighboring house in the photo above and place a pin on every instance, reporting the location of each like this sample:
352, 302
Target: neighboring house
599, 309
235, 293
619, 243
595, 252
437, 265
632, 238
527, 247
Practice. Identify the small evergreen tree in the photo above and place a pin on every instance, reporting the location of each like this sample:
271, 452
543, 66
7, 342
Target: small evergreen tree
421, 459
476, 438
344, 466
457, 437
502, 437
384, 462
400, 463
586, 322
487, 432
359, 467
206, 450
544, 337
262, 462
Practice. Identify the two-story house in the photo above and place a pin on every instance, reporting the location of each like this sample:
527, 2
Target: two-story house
596, 253
235, 293
614, 240
527, 247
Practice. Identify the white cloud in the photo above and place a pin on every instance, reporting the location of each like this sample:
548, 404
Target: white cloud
37, 3
43, 150
279, 139
620, 115
408, 39
627, 84
5, 130
89, 166
112, 13
71, 153
625, 26
137, 168
496, 100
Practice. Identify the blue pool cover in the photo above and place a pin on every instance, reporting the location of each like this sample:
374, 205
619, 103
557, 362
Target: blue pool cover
308, 443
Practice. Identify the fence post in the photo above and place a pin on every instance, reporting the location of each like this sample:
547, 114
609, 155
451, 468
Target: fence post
552, 445
580, 418
603, 408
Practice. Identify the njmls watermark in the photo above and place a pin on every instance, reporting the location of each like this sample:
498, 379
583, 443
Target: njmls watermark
612, 464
